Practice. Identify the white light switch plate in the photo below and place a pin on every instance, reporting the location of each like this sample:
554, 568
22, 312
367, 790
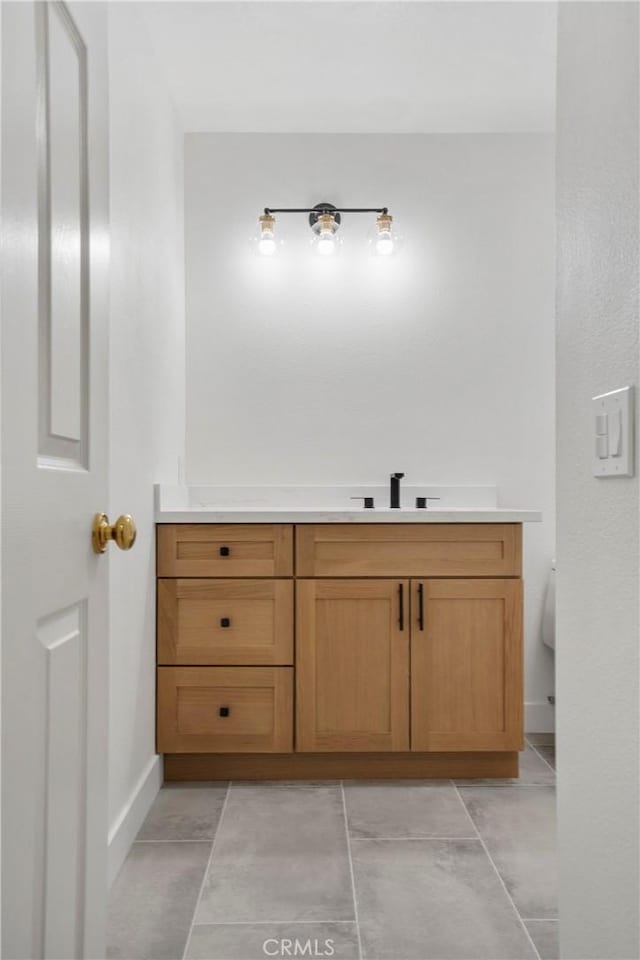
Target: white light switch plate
613, 433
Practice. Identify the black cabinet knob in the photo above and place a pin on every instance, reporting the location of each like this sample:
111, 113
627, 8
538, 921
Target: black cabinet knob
224, 551
225, 622
224, 711
368, 502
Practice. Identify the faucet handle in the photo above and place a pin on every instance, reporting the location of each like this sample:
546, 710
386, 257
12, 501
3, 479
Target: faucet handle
397, 476
422, 503
368, 502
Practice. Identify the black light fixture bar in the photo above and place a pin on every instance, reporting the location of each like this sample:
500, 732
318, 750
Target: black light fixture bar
322, 209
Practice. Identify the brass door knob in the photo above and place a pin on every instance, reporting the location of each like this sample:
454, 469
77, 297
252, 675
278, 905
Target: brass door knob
123, 531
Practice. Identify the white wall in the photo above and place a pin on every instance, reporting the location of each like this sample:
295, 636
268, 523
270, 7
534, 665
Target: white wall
147, 395
597, 615
439, 362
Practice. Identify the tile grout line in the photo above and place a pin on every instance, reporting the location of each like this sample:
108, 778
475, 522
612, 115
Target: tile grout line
206, 840
550, 740
206, 872
498, 786
497, 873
353, 880
418, 839
266, 923
544, 760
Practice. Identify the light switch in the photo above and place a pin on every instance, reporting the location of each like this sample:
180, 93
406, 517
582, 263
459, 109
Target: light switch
616, 434
613, 425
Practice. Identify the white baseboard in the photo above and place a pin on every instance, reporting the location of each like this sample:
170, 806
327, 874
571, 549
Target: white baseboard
131, 817
539, 717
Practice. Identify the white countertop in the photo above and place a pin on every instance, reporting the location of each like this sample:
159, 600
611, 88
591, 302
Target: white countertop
332, 504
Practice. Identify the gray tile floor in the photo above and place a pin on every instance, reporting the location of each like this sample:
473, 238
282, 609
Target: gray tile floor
380, 870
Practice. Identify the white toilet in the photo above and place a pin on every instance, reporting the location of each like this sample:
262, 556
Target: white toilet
549, 612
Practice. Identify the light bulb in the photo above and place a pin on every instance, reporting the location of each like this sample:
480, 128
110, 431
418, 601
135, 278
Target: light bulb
267, 244
325, 230
384, 244
266, 237
326, 244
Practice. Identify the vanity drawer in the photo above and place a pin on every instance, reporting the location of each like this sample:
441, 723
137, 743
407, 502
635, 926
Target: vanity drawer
222, 622
225, 709
409, 550
225, 550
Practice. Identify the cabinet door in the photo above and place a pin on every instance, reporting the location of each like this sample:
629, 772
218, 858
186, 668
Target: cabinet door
466, 665
352, 665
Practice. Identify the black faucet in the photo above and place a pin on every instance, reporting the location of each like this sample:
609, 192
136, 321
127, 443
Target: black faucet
394, 502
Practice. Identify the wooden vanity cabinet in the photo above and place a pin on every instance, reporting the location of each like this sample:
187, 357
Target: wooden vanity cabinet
340, 650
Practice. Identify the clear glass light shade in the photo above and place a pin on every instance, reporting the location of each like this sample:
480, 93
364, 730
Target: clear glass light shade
326, 244
325, 241
266, 240
384, 241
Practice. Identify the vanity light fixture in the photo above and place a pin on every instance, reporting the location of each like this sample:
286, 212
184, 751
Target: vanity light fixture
324, 220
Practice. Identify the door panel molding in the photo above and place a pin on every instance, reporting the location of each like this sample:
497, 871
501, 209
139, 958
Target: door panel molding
63, 636
63, 241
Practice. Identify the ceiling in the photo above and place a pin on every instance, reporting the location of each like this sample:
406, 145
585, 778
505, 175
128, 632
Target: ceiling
357, 67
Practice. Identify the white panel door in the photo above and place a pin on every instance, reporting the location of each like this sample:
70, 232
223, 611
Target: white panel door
54, 459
